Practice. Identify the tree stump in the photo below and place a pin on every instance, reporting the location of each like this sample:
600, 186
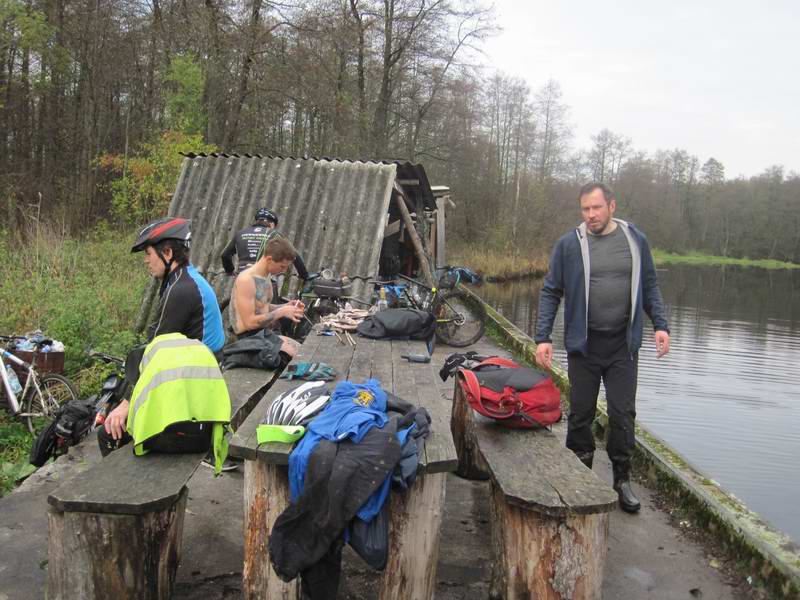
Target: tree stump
414, 525
101, 555
471, 464
537, 556
266, 495
549, 512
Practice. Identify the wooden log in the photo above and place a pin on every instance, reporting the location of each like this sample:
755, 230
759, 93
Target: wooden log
471, 464
266, 495
414, 525
101, 555
412, 232
538, 556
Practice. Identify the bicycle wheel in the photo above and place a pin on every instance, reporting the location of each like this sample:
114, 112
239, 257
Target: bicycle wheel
460, 319
57, 390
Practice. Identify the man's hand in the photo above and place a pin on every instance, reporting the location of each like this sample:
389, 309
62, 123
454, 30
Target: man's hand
662, 343
116, 420
544, 355
292, 310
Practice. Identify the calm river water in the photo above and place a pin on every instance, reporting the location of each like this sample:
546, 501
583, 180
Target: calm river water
727, 397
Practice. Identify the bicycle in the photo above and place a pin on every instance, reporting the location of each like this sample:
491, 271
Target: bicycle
460, 319
42, 395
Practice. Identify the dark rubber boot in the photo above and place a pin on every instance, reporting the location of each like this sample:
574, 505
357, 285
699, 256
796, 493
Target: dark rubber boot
627, 498
587, 458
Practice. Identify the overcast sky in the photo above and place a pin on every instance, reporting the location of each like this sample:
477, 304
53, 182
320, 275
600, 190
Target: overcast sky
717, 78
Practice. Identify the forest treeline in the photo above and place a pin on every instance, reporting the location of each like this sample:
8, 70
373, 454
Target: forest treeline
97, 97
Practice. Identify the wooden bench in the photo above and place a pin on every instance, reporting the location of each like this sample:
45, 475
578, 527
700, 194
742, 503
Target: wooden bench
549, 512
415, 515
115, 529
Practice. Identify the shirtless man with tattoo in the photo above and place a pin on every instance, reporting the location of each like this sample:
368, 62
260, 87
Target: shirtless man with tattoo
251, 308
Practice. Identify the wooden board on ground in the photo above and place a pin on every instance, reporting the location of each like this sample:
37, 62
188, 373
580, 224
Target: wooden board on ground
127, 485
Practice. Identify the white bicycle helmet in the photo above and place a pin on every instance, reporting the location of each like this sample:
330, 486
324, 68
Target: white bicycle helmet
298, 405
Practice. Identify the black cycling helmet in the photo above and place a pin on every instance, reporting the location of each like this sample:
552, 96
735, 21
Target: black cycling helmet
263, 214
168, 228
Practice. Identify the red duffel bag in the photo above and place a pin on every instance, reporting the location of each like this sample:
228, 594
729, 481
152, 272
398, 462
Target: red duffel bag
516, 396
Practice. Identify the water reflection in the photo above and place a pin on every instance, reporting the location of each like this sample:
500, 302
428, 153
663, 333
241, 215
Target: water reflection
727, 397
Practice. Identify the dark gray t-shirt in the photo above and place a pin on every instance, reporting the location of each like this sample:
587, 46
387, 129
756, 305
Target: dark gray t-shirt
609, 282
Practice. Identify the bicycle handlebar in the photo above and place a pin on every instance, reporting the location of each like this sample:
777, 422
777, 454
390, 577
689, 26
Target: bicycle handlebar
106, 358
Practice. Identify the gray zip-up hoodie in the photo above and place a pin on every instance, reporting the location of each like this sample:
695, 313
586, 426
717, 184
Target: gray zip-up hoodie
569, 277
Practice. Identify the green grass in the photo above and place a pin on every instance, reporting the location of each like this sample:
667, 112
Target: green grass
696, 258
491, 263
83, 291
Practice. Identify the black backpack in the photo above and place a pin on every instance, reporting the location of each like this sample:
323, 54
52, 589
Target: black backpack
398, 324
76, 419
72, 423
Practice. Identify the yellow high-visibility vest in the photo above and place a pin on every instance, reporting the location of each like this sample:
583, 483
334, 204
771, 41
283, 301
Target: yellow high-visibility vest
179, 381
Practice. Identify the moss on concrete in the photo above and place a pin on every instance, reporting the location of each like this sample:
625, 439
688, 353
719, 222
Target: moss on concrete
764, 554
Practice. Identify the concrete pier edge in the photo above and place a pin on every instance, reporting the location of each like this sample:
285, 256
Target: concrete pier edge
770, 557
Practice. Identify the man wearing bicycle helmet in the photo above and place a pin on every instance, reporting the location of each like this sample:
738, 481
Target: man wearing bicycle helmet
187, 305
247, 242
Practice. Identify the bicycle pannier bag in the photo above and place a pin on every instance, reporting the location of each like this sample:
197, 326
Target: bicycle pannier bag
518, 397
398, 324
331, 288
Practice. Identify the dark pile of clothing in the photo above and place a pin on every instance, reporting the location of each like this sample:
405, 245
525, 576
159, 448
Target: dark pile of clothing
364, 442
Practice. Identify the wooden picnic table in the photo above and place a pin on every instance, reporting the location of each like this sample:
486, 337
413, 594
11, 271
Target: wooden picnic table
415, 515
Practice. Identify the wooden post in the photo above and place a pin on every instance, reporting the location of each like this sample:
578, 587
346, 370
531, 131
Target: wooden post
266, 495
416, 517
441, 256
471, 464
100, 555
399, 197
547, 558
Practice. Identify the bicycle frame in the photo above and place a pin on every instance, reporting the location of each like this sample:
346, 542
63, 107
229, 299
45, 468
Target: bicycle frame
31, 379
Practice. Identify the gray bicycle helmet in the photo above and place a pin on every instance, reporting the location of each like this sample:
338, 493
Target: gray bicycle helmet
168, 228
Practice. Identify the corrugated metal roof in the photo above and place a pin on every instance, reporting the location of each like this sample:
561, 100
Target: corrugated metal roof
406, 170
333, 211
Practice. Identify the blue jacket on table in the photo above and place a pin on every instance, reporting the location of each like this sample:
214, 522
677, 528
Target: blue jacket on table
568, 277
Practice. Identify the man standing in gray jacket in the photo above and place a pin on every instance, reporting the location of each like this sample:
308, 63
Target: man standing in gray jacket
605, 272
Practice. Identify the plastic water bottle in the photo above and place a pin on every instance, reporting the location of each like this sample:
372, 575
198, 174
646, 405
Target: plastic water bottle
383, 304
13, 380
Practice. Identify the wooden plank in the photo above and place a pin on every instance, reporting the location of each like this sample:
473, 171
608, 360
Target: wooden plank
381, 363
550, 480
360, 367
243, 443
404, 385
439, 447
125, 484
126, 557
330, 351
246, 387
